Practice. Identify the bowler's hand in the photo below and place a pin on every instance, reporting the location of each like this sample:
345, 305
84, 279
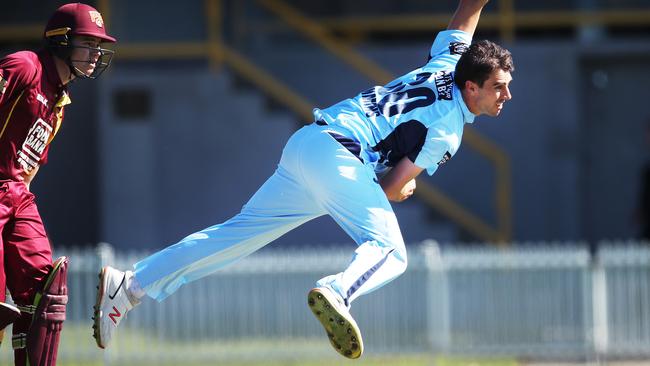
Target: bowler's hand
406, 191
399, 182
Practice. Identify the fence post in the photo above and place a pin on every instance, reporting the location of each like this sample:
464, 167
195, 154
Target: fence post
599, 298
437, 297
105, 254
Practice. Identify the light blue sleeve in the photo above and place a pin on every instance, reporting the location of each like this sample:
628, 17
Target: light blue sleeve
448, 46
435, 150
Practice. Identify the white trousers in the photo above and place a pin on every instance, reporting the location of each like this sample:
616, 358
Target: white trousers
316, 176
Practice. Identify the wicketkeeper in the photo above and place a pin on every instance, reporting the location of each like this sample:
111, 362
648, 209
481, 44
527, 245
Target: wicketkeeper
33, 95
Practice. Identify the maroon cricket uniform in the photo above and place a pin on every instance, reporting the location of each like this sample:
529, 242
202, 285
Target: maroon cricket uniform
32, 98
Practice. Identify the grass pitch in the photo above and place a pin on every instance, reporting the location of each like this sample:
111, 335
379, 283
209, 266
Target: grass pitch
133, 348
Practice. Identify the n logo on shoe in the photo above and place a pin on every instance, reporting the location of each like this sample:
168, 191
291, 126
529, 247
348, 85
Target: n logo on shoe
114, 315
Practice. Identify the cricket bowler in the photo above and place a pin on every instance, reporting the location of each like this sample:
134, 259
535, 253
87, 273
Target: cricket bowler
356, 157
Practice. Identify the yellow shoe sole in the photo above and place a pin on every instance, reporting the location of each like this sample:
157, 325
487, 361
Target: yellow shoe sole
341, 329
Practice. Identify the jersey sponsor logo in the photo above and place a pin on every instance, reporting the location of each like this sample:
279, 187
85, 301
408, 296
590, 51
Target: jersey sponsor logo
34, 145
41, 99
3, 85
458, 48
445, 158
444, 83
96, 18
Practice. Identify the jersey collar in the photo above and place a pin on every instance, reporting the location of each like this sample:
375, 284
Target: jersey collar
468, 116
49, 69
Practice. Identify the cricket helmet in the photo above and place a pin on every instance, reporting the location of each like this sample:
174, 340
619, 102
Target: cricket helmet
77, 19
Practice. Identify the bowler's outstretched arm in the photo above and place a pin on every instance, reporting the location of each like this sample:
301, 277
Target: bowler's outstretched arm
467, 15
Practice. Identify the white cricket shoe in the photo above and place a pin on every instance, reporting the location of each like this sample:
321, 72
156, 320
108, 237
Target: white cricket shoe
342, 330
112, 304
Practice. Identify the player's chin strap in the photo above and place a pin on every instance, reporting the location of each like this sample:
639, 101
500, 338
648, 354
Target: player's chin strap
36, 333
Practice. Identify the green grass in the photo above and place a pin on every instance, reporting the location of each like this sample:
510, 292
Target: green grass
363, 361
78, 348
464, 361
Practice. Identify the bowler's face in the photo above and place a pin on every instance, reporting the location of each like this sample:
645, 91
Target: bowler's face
494, 93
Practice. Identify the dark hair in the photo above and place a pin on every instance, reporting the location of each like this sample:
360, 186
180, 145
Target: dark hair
478, 62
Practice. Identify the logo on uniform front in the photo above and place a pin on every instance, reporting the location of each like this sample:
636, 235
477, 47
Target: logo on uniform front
41, 99
444, 81
96, 18
457, 48
37, 138
445, 158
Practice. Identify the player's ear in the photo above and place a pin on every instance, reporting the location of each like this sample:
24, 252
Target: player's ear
471, 87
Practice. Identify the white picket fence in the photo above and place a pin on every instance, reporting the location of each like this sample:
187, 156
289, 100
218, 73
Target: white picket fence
543, 301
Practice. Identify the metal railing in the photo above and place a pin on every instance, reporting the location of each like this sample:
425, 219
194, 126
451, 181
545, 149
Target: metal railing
550, 301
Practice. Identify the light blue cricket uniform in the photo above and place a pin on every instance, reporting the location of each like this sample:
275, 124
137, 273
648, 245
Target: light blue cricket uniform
330, 167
